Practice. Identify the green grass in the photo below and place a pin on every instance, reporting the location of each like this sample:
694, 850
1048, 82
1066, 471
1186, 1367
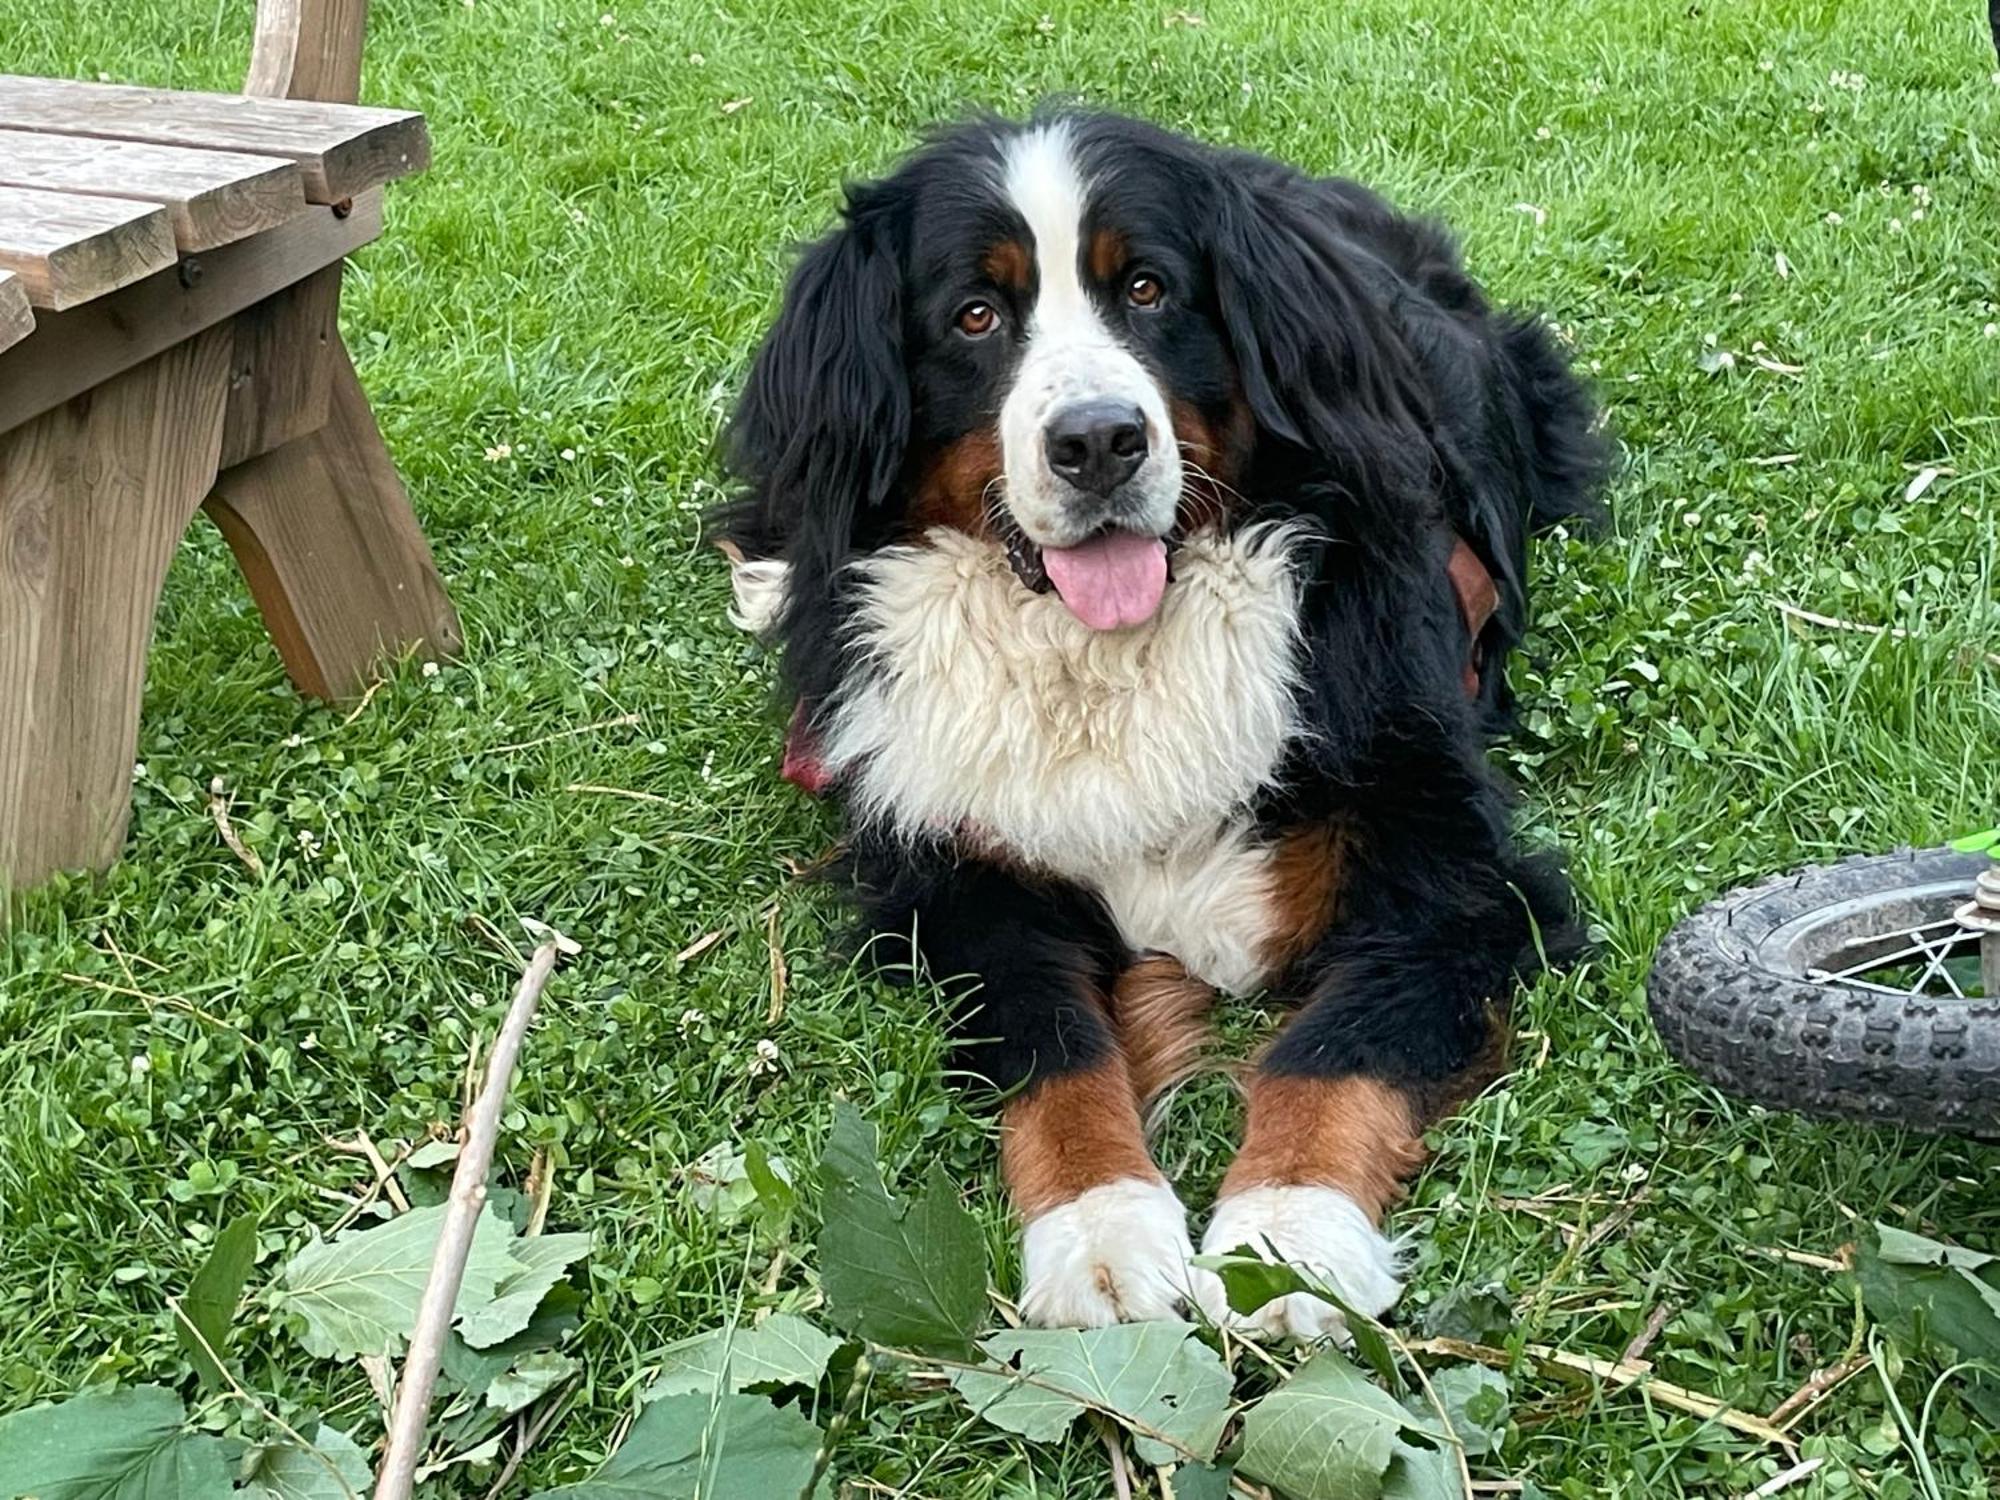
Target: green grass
581, 276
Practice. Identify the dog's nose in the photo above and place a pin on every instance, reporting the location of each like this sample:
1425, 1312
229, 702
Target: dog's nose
1096, 445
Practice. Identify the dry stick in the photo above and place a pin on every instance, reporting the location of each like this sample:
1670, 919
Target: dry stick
385, 1175
526, 1435
1121, 1476
1581, 1369
1823, 1383
620, 721
1643, 1339
461, 1219
1833, 622
1784, 1481
778, 968
616, 791
218, 809
1437, 1404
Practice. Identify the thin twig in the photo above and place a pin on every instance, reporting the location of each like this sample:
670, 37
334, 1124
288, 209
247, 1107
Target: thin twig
218, 810
617, 791
526, 1436
1643, 1339
1833, 622
778, 967
617, 721
1786, 1480
698, 947
366, 698
385, 1175
541, 1186
1789, 1412
171, 1002
461, 1219
1639, 1376
237, 1390
1121, 1473
1437, 1404
385, 1178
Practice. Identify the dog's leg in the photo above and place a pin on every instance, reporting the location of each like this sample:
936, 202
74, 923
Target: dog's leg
1032, 963
1161, 1014
1402, 1018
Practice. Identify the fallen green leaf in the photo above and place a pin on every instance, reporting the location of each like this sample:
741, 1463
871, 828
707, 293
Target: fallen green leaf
125, 1444
1327, 1434
1471, 1314
781, 1350
1249, 1281
530, 1378
1150, 1376
911, 1275
1475, 1400
334, 1468
1920, 1288
541, 1259
358, 1292
1422, 1474
1199, 1482
210, 1303
683, 1447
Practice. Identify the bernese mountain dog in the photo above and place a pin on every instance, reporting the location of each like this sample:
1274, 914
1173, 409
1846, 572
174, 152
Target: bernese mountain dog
1143, 525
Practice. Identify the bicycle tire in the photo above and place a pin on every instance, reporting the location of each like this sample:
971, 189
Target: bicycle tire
1730, 994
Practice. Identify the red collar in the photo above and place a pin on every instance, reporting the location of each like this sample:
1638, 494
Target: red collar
1471, 584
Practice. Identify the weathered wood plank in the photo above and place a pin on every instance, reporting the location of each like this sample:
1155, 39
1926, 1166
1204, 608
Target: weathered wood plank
323, 530
68, 248
93, 500
341, 149
17, 319
282, 371
70, 352
213, 197
308, 49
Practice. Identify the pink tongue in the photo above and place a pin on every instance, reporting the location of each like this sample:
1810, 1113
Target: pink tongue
1111, 581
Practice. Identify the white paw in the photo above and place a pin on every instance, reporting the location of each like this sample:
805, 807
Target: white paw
1322, 1231
1115, 1254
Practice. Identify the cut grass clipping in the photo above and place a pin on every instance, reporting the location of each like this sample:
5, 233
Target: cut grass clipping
757, 1412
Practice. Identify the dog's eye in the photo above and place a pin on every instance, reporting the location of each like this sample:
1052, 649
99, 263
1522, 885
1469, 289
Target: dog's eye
1144, 290
977, 319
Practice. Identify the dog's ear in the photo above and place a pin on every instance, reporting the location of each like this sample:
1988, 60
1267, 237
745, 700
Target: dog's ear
1322, 368
819, 434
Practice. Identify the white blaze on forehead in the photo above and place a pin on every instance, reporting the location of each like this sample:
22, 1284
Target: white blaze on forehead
1070, 353
1044, 181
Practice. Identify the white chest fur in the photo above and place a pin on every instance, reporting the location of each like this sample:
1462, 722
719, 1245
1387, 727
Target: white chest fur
1121, 760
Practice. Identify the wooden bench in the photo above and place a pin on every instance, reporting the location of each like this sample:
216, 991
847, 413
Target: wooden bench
170, 271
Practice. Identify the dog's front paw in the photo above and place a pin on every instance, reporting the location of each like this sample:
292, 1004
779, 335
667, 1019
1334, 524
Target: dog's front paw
1323, 1232
1115, 1254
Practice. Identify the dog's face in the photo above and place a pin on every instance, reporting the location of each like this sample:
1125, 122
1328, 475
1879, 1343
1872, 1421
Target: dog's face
1068, 336
1068, 374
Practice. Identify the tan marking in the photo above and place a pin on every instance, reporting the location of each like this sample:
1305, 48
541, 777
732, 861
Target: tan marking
1009, 264
1107, 253
1306, 871
952, 491
1161, 1012
1359, 1135
1071, 1133
1213, 453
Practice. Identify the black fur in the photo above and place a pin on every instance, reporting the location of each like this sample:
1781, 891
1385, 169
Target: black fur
1393, 409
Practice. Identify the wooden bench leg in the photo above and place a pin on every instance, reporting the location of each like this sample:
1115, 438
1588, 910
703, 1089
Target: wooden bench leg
94, 498
324, 532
